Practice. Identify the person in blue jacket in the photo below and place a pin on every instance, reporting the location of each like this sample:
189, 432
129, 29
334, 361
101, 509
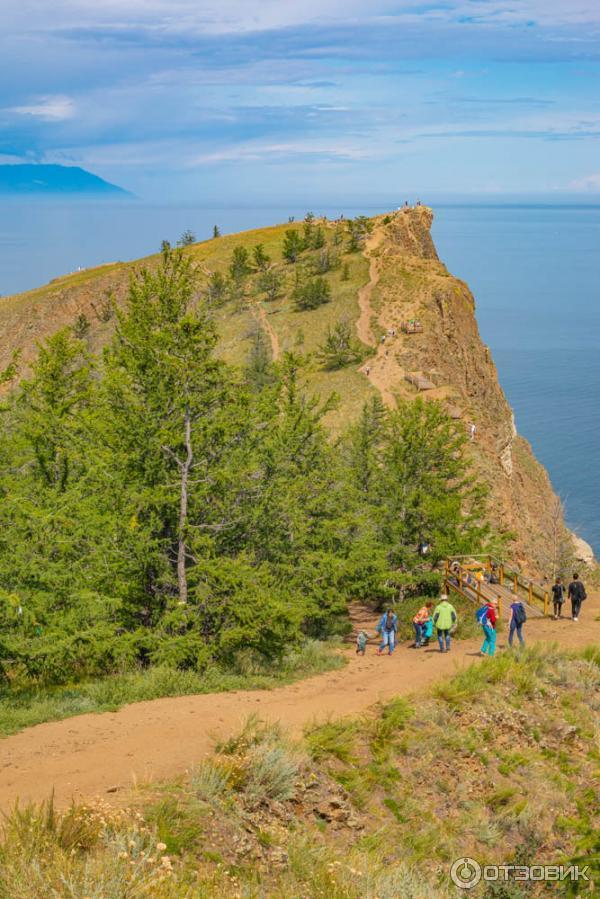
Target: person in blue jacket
388, 628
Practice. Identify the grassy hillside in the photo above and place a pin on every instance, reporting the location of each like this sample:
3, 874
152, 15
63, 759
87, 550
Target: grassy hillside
499, 763
83, 297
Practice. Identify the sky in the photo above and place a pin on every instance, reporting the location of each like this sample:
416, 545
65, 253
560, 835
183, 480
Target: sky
272, 101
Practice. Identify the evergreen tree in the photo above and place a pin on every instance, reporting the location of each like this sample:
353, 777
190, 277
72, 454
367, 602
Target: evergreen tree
261, 259
217, 288
187, 239
239, 266
358, 230
270, 282
292, 245
340, 348
426, 491
216, 231
311, 294
163, 390
259, 367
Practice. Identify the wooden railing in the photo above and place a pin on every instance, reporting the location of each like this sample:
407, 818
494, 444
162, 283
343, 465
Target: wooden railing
461, 578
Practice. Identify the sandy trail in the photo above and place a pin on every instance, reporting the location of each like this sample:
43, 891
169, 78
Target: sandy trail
105, 754
270, 331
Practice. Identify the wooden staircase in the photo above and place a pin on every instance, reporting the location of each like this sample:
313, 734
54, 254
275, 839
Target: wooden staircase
469, 578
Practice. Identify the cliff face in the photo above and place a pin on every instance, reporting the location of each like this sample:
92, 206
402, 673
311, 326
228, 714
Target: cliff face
448, 361
402, 279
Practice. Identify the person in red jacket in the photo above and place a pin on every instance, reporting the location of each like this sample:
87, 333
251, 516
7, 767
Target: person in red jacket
489, 629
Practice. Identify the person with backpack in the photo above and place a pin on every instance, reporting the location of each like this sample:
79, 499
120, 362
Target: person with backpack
558, 597
577, 595
518, 617
420, 622
388, 628
487, 618
444, 618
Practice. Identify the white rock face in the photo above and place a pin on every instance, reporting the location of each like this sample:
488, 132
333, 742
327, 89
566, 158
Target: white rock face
583, 551
506, 459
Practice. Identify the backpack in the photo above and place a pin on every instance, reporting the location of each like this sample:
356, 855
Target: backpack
481, 615
519, 613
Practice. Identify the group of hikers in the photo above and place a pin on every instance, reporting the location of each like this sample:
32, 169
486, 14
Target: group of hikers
444, 620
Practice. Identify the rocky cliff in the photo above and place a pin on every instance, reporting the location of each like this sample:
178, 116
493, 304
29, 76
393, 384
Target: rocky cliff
445, 359
397, 284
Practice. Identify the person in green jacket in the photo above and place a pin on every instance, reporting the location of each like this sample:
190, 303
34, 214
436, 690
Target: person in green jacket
444, 618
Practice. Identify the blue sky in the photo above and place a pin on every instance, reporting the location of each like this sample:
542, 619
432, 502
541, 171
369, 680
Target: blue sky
334, 100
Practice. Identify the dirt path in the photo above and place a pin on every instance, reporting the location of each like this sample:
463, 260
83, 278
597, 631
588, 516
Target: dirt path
270, 331
363, 325
103, 755
382, 369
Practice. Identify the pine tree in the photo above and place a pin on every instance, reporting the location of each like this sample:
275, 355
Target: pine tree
187, 239
340, 348
311, 294
292, 245
259, 368
239, 266
270, 282
163, 389
261, 259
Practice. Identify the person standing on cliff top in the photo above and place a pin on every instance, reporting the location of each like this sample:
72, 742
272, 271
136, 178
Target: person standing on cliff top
558, 597
577, 595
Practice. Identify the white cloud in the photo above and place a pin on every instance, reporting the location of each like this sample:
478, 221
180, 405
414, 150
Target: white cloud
587, 184
50, 109
228, 16
255, 151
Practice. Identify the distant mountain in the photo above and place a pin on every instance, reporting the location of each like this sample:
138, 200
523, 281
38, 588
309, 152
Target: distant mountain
53, 179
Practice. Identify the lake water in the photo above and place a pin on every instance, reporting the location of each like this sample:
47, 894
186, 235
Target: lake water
534, 271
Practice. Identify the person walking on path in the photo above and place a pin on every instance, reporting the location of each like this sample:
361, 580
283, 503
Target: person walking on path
558, 597
518, 617
420, 621
577, 595
361, 642
388, 628
444, 618
487, 618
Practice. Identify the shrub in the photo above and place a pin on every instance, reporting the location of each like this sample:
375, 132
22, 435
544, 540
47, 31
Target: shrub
272, 773
311, 294
210, 781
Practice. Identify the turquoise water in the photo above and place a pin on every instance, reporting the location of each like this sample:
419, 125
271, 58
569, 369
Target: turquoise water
534, 271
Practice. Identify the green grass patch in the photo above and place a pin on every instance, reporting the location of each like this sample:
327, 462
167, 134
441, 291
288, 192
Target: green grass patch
20, 708
336, 739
